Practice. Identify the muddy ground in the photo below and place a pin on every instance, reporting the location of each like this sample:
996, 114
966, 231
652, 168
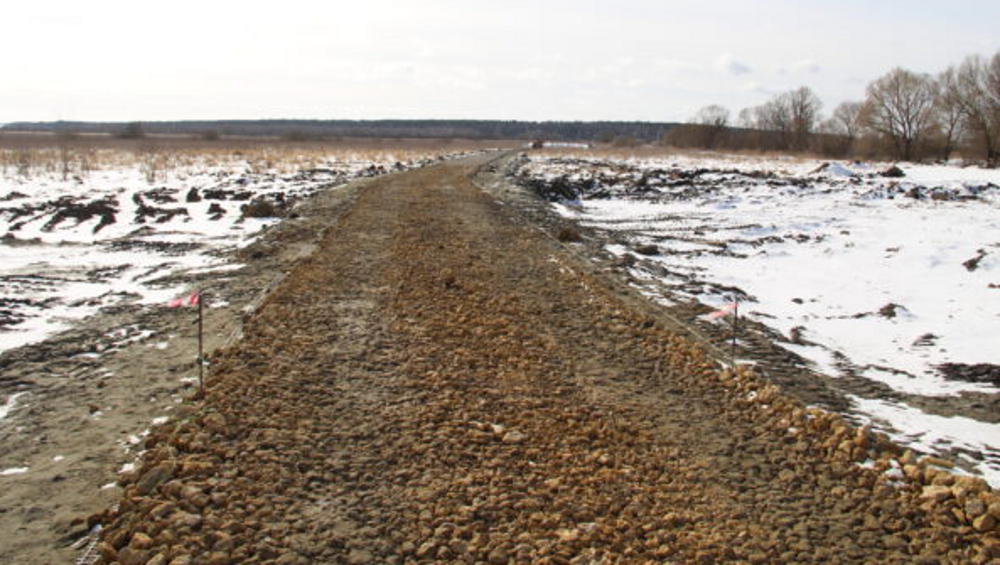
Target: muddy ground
443, 381
86, 396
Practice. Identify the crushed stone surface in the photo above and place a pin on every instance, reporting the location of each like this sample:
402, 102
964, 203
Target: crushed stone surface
440, 381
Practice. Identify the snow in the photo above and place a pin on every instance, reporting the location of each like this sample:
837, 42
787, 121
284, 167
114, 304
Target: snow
932, 433
14, 471
9, 405
826, 259
838, 170
821, 358
56, 269
868, 272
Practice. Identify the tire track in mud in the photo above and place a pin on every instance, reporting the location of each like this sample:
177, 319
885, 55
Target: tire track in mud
439, 382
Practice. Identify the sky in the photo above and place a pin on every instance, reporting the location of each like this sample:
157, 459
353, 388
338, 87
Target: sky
649, 60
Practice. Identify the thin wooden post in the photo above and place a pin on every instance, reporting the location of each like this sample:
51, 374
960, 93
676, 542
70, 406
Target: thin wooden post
201, 345
736, 320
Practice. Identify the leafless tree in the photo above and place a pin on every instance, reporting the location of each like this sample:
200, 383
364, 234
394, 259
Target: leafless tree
976, 89
774, 118
787, 120
900, 106
803, 108
745, 119
714, 119
948, 111
713, 115
846, 120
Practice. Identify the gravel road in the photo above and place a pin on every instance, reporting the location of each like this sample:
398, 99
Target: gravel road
442, 381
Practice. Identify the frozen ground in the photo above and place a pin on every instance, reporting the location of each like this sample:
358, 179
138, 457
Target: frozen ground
128, 232
895, 279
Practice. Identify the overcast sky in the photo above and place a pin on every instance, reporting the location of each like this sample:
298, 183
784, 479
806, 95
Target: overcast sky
653, 60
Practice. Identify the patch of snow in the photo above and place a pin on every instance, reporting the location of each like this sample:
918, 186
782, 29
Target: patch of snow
821, 358
9, 405
825, 257
838, 170
62, 269
14, 471
881, 278
934, 434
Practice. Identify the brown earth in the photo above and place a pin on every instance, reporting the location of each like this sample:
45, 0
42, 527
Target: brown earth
442, 381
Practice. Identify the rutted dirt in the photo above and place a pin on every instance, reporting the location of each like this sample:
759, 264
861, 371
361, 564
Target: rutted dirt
441, 381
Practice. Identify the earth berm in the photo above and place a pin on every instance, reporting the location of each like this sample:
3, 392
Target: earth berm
441, 381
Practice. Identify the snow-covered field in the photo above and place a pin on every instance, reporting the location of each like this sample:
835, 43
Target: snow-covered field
891, 278
127, 230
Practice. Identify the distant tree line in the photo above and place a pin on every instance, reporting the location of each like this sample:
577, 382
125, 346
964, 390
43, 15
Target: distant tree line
905, 115
304, 130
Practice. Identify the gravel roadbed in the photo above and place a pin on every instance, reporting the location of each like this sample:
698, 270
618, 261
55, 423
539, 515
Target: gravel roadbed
440, 381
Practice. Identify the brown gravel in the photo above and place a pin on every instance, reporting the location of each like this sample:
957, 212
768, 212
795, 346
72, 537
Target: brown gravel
441, 381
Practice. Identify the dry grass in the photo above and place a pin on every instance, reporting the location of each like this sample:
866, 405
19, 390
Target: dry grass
30, 154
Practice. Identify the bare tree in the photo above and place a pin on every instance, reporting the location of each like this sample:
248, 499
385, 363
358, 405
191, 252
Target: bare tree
976, 89
846, 120
948, 111
745, 119
714, 119
712, 115
786, 121
775, 118
900, 106
803, 112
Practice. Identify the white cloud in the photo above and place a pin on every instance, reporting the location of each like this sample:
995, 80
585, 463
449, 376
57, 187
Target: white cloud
677, 66
806, 66
727, 63
444, 58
